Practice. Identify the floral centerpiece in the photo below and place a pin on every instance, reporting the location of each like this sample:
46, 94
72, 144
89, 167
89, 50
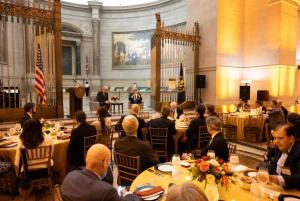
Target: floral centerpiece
115, 98
212, 171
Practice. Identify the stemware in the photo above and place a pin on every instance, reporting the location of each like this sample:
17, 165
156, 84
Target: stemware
176, 159
234, 159
211, 154
263, 175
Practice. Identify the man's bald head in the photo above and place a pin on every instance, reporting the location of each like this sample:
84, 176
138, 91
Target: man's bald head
98, 159
173, 105
130, 125
135, 109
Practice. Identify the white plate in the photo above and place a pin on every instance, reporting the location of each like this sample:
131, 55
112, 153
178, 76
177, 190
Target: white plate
185, 163
165, 167
150, 197
7, 146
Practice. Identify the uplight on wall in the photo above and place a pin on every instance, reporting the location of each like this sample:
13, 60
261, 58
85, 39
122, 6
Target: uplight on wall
246, 82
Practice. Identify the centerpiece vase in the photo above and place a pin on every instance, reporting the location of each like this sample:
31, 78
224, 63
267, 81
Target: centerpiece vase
211, 188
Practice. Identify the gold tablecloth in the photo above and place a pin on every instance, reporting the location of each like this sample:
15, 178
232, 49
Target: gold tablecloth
240, 121
59, 157
233, 193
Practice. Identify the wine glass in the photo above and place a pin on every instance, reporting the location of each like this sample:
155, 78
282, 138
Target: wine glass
18, 128
263, 175
211, 154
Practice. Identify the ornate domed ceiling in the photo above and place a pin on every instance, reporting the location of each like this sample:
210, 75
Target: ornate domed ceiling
114, 2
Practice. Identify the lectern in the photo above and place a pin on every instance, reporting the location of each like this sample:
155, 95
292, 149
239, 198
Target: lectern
76, 94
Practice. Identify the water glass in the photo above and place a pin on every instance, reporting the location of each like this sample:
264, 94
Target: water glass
176, 159
211, 154
256, 190
263, 175
234, 159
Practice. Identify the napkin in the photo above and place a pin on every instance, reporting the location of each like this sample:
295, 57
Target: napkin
147, 193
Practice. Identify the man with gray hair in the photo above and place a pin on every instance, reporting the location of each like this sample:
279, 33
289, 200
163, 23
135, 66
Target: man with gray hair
217, 142
102, 97
132, 146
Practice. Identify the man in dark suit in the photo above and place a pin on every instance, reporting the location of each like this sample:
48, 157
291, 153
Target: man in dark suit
132, 146
76, 145
87, 184
284, 110
102, 97
175, 110
217, 142
189, 141
29, 111
284, 169
164, 122
135, 109
135, 97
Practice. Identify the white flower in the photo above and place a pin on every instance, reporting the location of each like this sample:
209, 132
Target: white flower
213, 162
223, 173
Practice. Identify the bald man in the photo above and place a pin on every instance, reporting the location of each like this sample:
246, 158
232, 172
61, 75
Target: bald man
135, 109
87, 185
130, 145
175, 110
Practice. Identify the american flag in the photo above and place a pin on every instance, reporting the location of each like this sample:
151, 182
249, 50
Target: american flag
39, 78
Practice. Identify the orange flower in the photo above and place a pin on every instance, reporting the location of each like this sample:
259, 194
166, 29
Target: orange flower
217, 170
203, 166
226, 168
225, 181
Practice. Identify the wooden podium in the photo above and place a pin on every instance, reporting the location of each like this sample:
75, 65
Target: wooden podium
76, 94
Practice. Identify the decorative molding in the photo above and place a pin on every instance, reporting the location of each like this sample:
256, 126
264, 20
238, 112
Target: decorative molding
292, 2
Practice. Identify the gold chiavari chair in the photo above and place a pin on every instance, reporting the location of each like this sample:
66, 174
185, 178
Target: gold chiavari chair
231, 148
254, 128
159, 142
203, 137
87, 143
229, 130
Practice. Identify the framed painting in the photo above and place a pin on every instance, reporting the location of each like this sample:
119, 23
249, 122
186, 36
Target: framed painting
131, 50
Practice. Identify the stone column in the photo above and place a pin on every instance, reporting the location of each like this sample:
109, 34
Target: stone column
96, 6
78, 59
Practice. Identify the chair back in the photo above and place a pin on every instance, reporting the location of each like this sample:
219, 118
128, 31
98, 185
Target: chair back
119, 129
88, 142
255, 121
57, 193
231, 148
128, 167
203, 136
224, 117
159, 141
40, 156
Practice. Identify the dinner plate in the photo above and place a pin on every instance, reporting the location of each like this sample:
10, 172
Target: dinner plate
165, 167
144, 188
250, 173
2, 139
288, 198
6, 145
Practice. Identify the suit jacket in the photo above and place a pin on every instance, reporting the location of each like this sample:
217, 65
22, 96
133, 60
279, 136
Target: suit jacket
84, 185
135, 100
102, 97
75, 151
142, 124
219, 145
293, 163
132, 146
163, 122
192, 133
24, 118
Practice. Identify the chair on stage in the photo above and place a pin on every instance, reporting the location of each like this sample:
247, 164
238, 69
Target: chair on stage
159, 142
128, 168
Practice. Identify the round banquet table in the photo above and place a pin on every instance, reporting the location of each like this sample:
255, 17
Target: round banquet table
59, 157
240, 120
233, 193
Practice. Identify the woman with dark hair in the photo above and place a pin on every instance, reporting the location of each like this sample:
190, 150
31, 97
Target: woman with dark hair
293, 119
101, 125
76, 145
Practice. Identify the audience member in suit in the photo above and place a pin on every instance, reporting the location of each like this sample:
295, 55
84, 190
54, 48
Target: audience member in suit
276, 116
210, 110
87, 183
175, 110
285, 111
102, 124
135, 97
29, 111
259, 106
189, 141
164, 122
284, 169
76, 145
217, 142
102, 97
135, 109
132, 146
293, 119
